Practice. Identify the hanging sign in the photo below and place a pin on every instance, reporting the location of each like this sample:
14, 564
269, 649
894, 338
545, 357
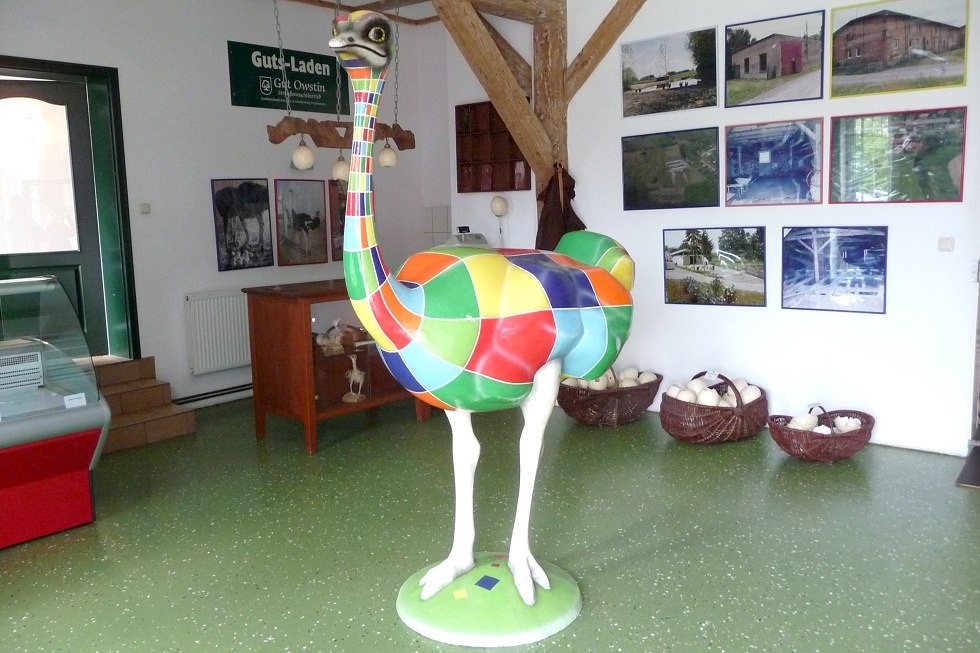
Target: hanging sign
255, 73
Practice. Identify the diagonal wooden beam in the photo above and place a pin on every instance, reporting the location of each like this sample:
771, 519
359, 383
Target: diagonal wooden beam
516, 62
481, 53
605, 35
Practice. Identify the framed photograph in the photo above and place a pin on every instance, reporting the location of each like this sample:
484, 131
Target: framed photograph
670, 73
898, 45
915, 156
774, 60
835, 268
671, 170
301, 222
715, 266
242, 228
337, 194
774, 163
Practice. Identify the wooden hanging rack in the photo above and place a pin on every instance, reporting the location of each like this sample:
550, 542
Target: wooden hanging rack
336, 133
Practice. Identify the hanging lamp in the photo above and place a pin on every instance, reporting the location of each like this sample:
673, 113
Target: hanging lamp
387, 157
303, 156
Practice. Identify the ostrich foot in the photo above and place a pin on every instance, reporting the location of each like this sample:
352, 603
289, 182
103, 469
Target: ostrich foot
526, 572
444, 573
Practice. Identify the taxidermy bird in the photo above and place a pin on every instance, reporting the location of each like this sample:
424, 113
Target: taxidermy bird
474, 329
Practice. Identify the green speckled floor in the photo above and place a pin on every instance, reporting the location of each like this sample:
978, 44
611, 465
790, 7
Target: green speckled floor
214, 542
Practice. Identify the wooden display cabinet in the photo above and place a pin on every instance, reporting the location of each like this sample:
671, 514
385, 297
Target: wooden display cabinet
292, 377
487, 157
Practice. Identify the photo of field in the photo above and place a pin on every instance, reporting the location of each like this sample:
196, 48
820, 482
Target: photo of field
671, 170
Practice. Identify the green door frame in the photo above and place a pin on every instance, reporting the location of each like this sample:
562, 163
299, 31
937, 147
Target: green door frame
102, 87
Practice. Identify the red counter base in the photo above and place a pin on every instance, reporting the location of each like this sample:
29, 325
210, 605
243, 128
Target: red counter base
45, 486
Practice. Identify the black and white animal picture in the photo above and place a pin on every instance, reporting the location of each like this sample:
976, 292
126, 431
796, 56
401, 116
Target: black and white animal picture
301, 221
242, 229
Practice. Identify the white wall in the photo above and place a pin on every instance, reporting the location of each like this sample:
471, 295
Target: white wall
911, 368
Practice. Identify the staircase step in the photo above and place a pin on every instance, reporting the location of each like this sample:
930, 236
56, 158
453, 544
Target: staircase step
111, 370
135, 396
151, 425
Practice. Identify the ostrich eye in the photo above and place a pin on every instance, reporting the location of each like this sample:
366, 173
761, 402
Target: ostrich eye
377, 34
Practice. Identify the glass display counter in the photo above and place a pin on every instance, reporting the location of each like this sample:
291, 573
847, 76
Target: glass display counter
53, 420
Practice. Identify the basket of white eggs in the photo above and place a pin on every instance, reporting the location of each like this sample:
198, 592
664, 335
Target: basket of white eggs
712, 408
826, 438
616, 397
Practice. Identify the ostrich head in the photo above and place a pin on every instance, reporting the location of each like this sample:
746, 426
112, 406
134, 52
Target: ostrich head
364, 39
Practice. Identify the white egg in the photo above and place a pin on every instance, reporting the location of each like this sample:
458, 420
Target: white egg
844, 424
804, 422
629, 373
687, 395
628, 383
647, 377
709, 397
725, 402
730, 398
583, 383
750, 394
598, 384
673, 390
570, 381
740, 384
822, 430
696, 385
610, 376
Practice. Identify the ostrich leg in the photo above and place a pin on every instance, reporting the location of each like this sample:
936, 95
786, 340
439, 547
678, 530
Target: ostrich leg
466, 454
537, 409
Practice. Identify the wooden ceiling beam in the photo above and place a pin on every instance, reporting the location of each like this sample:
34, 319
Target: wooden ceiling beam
599, 44
485, 60
525, 11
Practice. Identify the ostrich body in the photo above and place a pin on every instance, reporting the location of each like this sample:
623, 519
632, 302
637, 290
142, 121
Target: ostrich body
472, 329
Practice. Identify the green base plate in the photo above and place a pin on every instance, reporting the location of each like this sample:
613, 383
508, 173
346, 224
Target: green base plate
482, 607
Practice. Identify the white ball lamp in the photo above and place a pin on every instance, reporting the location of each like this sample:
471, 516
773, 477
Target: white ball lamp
499, 207
303, 156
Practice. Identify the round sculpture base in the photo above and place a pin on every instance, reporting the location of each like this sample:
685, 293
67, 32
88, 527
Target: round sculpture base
482, 607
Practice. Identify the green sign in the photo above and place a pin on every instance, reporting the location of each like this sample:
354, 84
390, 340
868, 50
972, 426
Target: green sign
255, 72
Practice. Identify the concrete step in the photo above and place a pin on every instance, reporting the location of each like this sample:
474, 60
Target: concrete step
151, 425
141, 406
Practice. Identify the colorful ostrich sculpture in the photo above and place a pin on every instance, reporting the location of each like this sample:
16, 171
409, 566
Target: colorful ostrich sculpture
474, 329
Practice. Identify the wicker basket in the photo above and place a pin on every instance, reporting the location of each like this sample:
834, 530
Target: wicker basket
817, 447
697, 424
610, 407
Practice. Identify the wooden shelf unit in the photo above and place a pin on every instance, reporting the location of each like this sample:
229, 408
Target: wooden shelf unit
291, 377
487, 157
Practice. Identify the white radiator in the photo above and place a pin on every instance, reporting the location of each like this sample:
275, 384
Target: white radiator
217, 330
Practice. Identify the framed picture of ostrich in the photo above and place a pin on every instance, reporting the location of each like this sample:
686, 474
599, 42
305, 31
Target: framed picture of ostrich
716, 267
242, 229
301, 224
337, 197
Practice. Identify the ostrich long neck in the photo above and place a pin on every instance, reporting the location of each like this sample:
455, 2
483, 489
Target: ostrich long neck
365, 270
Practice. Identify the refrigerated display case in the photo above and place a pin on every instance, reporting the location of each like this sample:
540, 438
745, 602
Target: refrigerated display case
53, 419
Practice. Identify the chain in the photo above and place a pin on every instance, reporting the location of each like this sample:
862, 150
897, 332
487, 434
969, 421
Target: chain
398, 9
282, 59
336, 13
